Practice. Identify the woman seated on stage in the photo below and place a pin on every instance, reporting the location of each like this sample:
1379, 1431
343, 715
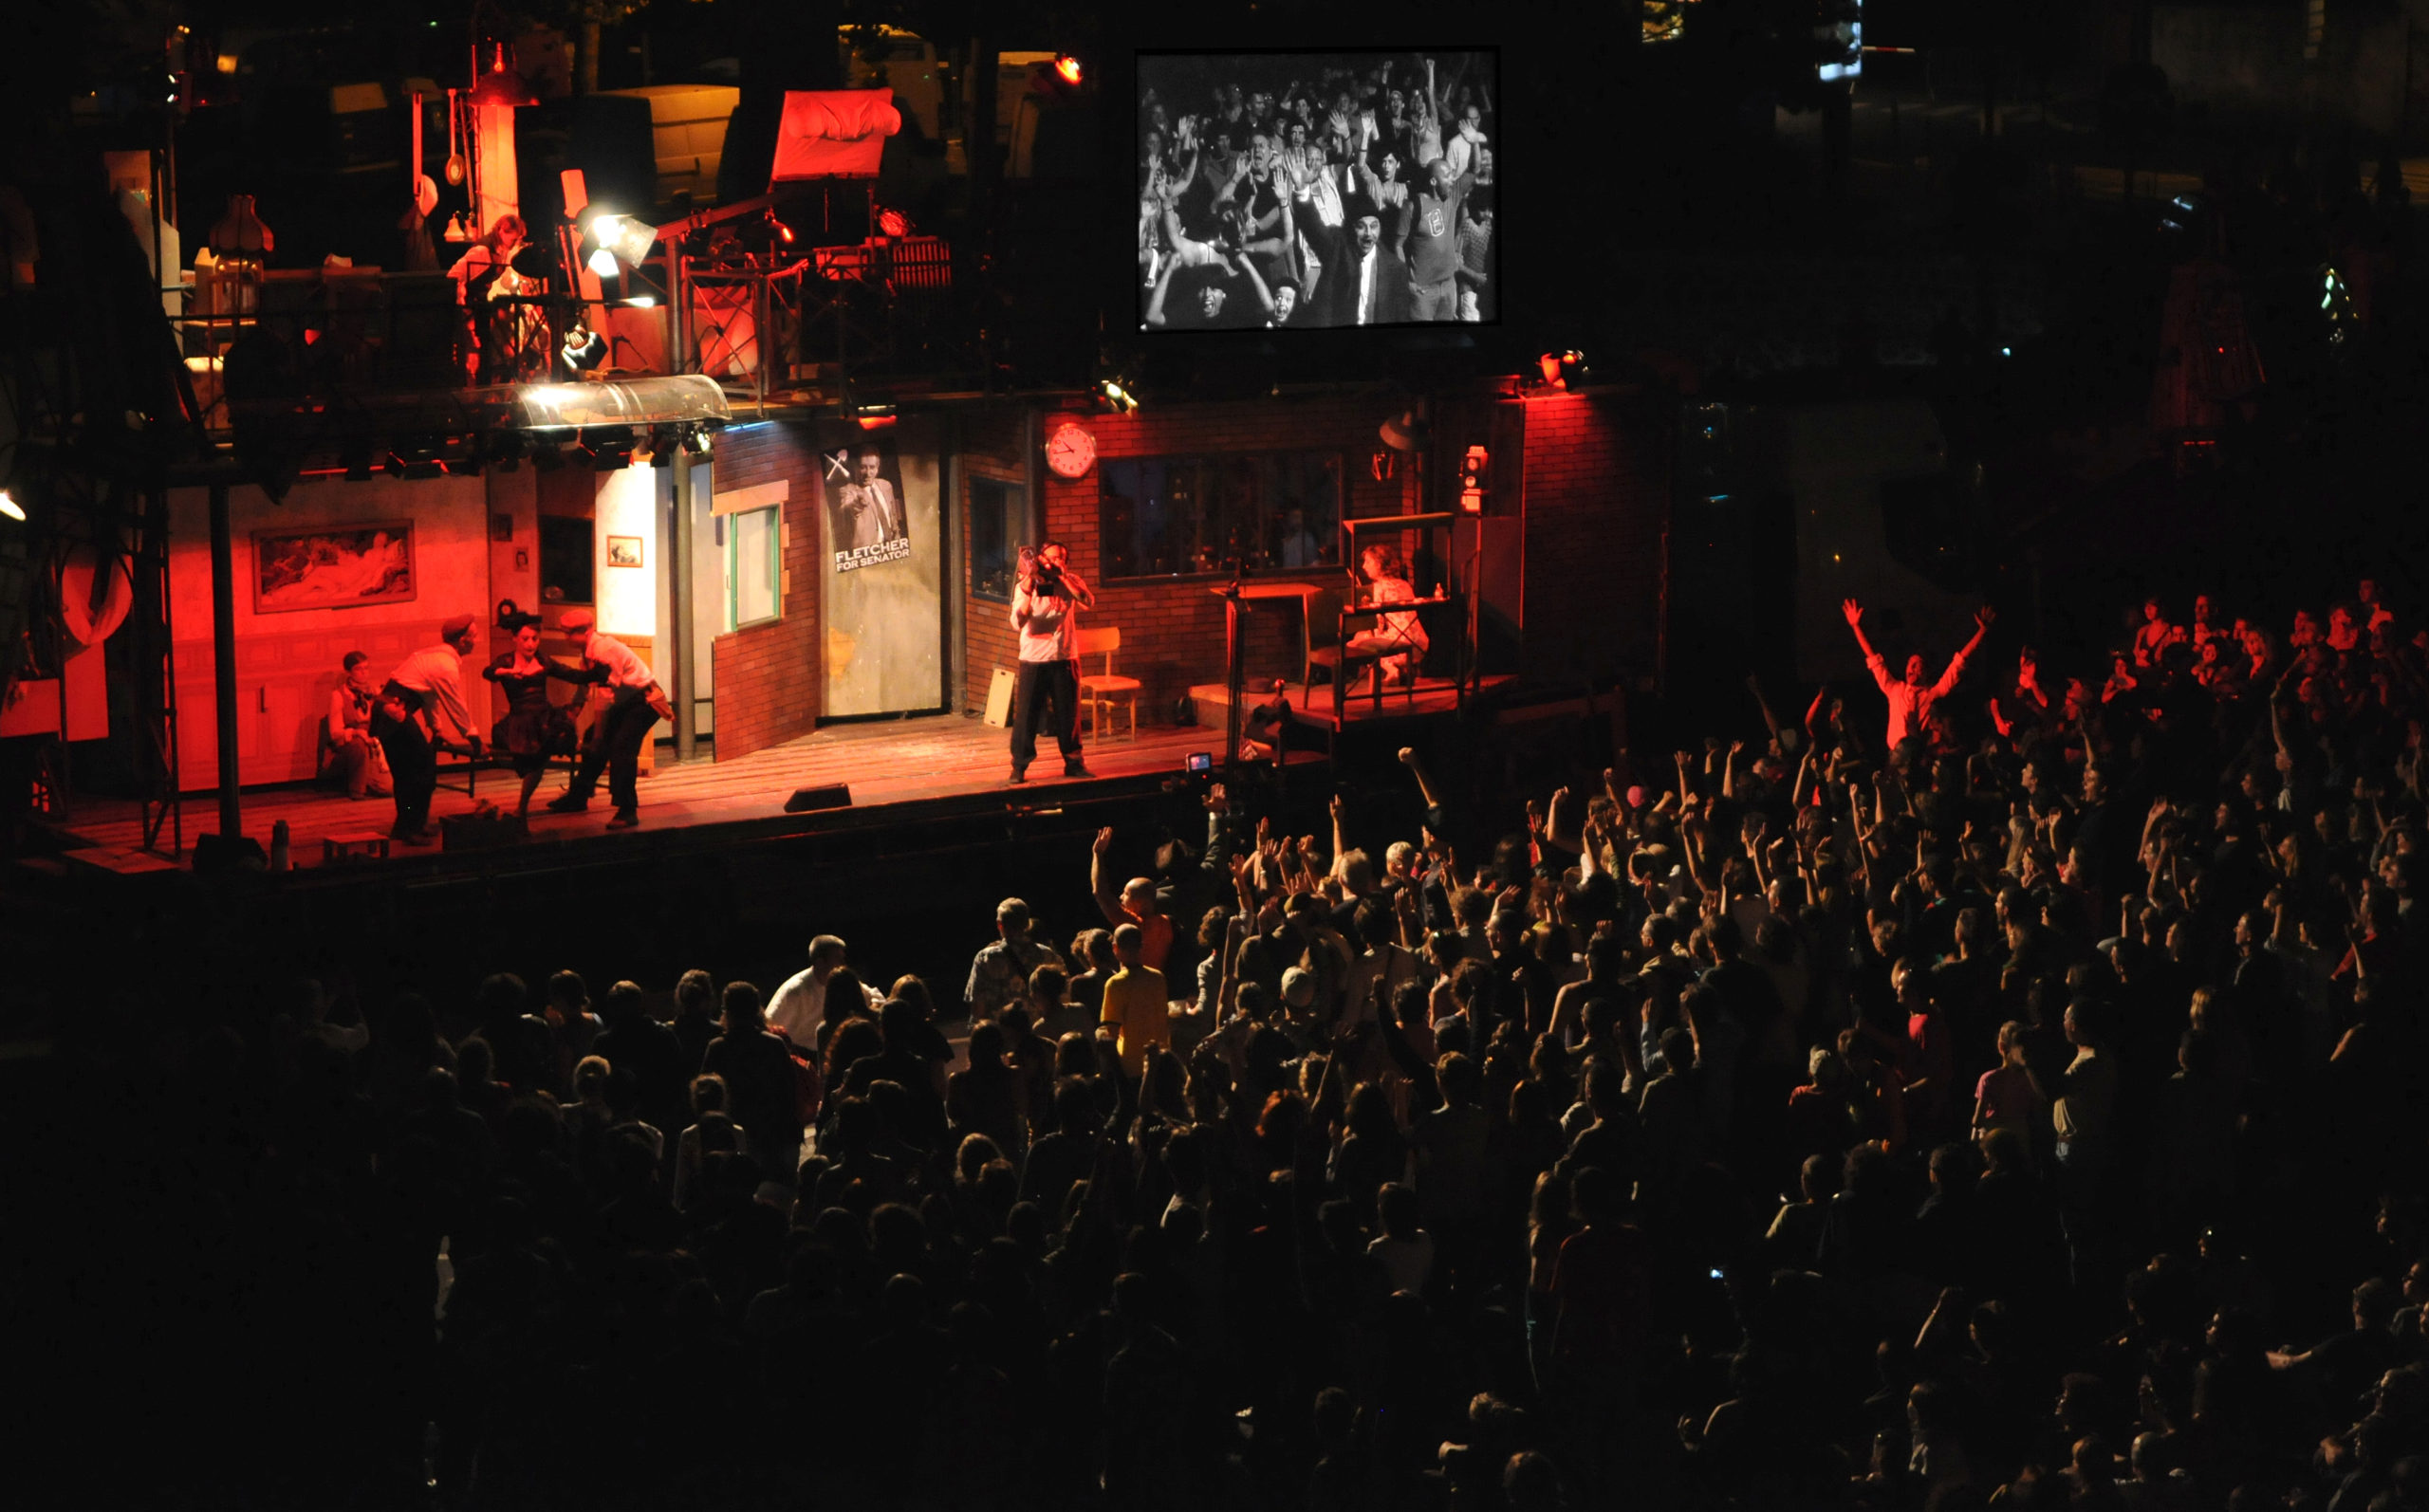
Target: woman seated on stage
354, 762
1398, 638
532, 728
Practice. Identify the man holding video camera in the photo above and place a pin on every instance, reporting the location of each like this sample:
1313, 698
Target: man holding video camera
1045, 610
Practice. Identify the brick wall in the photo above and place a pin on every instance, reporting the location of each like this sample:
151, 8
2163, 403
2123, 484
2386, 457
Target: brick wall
1172, 628
768, 676
1591, 472
1597, 479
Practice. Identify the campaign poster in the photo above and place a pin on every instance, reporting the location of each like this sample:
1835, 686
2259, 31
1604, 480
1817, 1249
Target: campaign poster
865, 517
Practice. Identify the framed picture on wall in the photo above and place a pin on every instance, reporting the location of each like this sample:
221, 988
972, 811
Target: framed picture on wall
623, 552
333, 567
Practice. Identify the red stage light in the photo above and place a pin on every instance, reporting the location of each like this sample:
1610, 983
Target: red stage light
1067, 69
875, 422
893, 223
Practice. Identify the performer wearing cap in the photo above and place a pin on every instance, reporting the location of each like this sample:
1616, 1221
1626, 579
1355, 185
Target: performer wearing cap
621, 729
428, 684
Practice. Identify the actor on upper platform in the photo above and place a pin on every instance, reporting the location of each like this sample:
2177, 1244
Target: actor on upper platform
621, 729
427, 685
1046, 611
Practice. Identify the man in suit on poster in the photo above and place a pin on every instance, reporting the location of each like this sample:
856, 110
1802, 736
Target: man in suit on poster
866, 512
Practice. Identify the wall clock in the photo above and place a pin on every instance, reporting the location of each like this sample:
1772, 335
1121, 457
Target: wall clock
1071, 450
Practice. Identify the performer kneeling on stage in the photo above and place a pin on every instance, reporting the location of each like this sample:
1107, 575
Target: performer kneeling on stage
627, 721
428, 683
1046, 611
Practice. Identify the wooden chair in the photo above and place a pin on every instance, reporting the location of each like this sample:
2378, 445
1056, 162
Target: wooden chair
1101, 691
1319, 635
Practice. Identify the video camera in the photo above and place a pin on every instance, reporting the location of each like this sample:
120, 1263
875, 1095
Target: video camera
1044, 576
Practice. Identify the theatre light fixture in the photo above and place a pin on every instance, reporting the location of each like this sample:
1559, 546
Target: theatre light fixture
1406, 431
503, 84
9, 507
584, 347
622, 238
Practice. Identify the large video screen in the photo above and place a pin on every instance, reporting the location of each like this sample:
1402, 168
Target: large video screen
1315, 190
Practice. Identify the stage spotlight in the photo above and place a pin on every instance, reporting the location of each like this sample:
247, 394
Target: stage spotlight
9, 507
584, 348
421, 454
610, 449
503, 84
1406, 431
625, 237
1117, 398
1067, 69
602, 263
695, 442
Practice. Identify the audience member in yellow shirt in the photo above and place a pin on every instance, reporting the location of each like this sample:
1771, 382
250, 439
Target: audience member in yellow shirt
1137, 1003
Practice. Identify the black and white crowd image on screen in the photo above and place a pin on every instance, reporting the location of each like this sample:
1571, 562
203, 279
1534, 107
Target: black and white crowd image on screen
1316, 190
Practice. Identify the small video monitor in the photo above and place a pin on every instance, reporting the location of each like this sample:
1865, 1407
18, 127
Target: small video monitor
1201, 761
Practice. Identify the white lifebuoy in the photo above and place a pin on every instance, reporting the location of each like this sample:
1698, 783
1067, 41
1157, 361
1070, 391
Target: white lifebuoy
83, 623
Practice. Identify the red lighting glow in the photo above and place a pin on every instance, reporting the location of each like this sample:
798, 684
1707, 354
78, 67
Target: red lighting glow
1067, 69
875, 423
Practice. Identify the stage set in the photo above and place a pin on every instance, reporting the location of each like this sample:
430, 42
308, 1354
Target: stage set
812, 563
803, 663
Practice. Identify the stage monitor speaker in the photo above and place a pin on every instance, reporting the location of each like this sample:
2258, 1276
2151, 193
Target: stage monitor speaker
217, 855
809, 800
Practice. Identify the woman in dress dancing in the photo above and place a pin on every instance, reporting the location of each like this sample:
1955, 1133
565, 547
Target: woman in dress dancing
532, 728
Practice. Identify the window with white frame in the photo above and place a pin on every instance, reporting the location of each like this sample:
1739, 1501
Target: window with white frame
754, 565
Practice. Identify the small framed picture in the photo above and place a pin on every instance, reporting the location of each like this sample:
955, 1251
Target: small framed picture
623, 552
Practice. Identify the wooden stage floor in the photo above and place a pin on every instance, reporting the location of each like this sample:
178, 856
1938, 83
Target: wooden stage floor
895, 765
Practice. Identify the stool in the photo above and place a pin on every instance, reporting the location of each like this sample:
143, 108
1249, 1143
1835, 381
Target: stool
366, 845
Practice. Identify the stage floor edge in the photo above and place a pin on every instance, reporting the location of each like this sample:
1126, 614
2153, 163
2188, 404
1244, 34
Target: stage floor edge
905, 769
1312, 704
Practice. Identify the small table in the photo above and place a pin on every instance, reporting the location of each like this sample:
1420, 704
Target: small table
1234, 671
366, 845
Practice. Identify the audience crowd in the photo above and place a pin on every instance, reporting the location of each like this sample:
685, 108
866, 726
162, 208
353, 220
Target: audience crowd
2025, 1113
